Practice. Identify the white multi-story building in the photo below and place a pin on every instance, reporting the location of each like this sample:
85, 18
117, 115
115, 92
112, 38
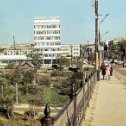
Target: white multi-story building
47, 41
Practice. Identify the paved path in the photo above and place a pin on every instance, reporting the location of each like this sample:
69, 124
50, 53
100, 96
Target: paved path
108, 104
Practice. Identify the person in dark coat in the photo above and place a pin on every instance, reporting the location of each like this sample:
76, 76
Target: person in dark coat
103, 68
111, 70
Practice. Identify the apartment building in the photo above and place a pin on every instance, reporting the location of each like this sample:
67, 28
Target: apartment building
70, 50
47, 38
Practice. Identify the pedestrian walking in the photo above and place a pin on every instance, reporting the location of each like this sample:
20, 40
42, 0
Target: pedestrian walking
103, 68
111, 70
108, 69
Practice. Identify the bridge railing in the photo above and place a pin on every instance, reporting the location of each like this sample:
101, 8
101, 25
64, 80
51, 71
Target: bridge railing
73, 112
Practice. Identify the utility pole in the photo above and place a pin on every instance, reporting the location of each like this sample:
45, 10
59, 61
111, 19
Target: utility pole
96, 41
88, 49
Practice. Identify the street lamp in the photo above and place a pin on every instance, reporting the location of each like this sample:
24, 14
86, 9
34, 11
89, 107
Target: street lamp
104, 18
100, 25
101, 56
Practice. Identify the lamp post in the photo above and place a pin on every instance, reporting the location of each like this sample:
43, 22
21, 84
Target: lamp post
101, 56
96, 41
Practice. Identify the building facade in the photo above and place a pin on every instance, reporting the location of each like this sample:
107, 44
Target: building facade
17, 54
47, 38
70, 50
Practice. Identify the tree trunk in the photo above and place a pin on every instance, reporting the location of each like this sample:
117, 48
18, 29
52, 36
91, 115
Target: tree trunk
16, 93
2, 91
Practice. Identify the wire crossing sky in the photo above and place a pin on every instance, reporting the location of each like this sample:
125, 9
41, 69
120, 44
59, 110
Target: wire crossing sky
77, 19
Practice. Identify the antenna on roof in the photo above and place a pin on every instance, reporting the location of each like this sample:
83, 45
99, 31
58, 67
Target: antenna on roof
14, 42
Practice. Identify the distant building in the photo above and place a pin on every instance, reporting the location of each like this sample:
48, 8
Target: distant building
47, 41
70, 50
20, 53
12, 52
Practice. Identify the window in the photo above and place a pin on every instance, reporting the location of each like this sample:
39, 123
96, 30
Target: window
57, 43
48, 38
54, 26
43, 26
46, 55
50, 55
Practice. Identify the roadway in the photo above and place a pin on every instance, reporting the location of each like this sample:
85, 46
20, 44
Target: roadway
108, 104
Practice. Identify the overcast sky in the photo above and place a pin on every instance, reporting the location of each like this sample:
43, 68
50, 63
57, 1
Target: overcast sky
77, 19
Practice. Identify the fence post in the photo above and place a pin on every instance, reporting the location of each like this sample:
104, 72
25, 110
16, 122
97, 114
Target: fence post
73, 97
72, 91
47, 120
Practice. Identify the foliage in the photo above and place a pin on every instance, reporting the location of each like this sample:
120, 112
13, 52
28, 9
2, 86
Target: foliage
5, 103
45, 95
32, 89
82, 49
43, 90
78, 64
86, 69
56, 99
8, 90
8, 75
36, 59
16, 76
56, 73
77, 75
3, 81
63, 61
28, 76
44, 80
115, 49
10, 66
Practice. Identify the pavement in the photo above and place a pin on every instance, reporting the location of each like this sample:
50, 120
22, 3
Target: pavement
108, 103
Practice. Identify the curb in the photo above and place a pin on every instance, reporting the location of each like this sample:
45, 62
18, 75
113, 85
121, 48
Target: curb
120, 77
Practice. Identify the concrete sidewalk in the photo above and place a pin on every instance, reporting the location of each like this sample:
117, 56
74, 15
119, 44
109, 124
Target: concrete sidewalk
108, 104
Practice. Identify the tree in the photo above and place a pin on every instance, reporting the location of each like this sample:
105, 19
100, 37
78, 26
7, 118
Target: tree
10, 66
44, 80
36, 59
16, 76
27, 78
15, 80
63, 61
3, 82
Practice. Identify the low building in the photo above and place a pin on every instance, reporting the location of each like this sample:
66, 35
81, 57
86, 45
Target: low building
26, 66
17, 54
